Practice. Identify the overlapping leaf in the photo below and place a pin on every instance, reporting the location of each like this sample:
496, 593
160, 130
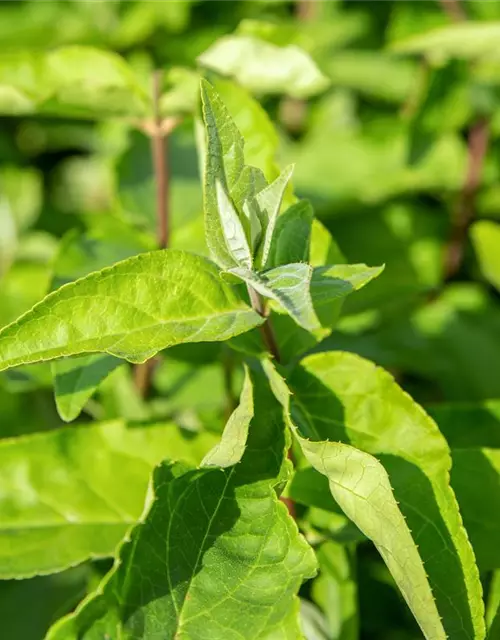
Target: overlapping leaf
131, 310
394, 485
217, 554
72, 494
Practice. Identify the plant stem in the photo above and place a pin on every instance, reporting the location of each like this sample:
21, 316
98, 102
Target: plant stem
160, 166
477, 147
143, 373
477, 144
266, 329
453, 9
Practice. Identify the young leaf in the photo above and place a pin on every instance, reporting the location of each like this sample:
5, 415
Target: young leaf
292, 236
224, 163
263, 67
289, 285
72, 494
131, 310
232, 229
269, 204
216, 556
394, 485
485, 236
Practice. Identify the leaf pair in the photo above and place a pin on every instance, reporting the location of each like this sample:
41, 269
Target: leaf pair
217, 554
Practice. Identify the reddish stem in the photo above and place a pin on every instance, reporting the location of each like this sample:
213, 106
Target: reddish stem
477, 147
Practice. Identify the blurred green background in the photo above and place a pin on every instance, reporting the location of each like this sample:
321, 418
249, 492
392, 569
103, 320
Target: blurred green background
397, 147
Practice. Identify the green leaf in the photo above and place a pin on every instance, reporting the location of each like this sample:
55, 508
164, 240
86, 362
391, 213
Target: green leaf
254, 124
263, 67
485, 236
64, 82
269, 203
455, 419
217, 554
223, 163
475, 478
292, 236
393, 482
131, 310
73, 493
232, 229
76, 380
231, 448
49, 598
467, 40
335, 590
289, 285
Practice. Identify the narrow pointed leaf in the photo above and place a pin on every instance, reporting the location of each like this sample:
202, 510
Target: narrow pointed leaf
131, 310
269, 203
231, 448
224, 163
232, 229
72, 494
393, 482
216, 556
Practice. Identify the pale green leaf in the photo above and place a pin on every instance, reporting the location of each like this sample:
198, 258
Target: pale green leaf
232, 229
289, 285
263, 67
131, 310
485, 236
469, 40
323, 249
217, 554
71, 494
328, 288
64, 82
231, 448
392, 481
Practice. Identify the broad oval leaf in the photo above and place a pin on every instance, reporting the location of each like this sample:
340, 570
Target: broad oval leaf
216, 556
388, 468
264, 67
72, 494
131, 310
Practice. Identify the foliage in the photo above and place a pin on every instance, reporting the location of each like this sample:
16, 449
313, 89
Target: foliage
249, 320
